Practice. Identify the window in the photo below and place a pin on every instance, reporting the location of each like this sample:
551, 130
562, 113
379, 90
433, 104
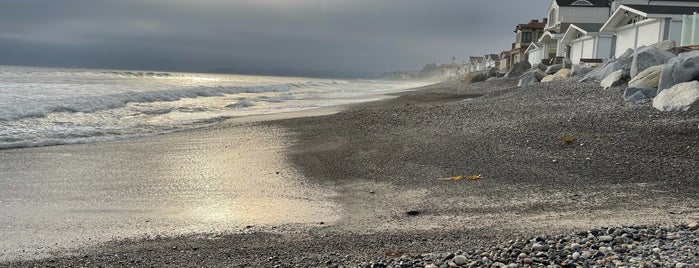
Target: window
526, 37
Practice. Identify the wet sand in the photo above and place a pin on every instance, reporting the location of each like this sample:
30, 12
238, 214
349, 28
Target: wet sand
621, 164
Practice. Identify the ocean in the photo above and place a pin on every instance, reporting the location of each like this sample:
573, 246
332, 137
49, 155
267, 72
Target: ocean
53, 106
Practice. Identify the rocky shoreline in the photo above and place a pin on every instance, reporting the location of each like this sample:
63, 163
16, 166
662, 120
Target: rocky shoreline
550, 159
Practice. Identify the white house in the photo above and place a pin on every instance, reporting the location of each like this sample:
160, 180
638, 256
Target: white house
585, 41
637, 25
563, 13
535, 53
491, 61
690, 30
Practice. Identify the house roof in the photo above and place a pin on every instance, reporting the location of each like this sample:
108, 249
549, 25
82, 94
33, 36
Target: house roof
532, 47
533, 24
583, 3
663, 10
493, 56
588, 29
648, 11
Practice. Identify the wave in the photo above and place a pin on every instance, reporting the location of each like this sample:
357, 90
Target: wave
119, 100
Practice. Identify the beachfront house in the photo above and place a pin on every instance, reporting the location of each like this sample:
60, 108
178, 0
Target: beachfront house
504, 61
638, 25
690, 30
535, 53
475, 64
585, 43
563, 13
491, 61
525, 34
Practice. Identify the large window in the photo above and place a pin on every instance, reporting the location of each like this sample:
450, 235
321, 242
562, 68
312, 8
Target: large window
526, 37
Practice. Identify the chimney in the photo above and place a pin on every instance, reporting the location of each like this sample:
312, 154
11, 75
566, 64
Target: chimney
546, 20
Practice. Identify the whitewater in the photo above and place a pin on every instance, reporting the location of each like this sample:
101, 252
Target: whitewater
53, 106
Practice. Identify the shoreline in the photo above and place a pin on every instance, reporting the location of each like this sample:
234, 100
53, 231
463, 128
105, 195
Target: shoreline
628, 165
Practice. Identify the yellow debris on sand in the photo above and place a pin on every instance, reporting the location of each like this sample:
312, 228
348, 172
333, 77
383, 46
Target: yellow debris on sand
463, 177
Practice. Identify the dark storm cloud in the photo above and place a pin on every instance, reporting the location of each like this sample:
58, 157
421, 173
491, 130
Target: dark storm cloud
297, 37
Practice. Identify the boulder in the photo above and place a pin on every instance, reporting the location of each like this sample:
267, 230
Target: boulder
551, 78
542, 66
564, 73
680, 69
567, 64
554, 68
680, 97
647, 57
637, 94
622, 63
649, 78
531, 77
615, 79
474, 77
591, 75
518, 69
579, 70
666, 45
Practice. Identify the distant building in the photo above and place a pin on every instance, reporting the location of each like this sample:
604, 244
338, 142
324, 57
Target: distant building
475, 64
504, 61
563, 13
525, 34
491, 61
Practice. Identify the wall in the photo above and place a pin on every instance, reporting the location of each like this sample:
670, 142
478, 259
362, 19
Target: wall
584, 14
605, 47
588, 48
649, 32
624, 39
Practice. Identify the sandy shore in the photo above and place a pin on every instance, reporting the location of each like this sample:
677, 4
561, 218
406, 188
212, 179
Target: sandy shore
553, 158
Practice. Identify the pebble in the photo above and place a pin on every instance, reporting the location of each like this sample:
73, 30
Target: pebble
460, 260
634, 246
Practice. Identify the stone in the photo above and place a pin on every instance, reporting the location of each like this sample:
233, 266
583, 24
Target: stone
576, 255
475, 77
537, 247
575, 246
554, 68
680, 69
551, 78
614, 65
460, 260
518, 69
497, 265
648, 78
605, 238
579, 70
614, 79
681, 97
693, 225
665, 45
542, 66
650, 56
586, 254
637, 94
431, 266
564, 73
530, 78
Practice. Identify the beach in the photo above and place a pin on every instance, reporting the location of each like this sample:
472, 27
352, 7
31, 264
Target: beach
548, 159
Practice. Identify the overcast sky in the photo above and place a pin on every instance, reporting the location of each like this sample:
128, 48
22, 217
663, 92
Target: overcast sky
282, 37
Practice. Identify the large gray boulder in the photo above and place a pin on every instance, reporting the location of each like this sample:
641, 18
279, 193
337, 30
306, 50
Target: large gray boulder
518, 69
591, 75
623, 64
680, 69
531, 77
542, 66
666, 45
615, 79
680, 97
480, 76
579, 70
648, 57
554, 68
637, 94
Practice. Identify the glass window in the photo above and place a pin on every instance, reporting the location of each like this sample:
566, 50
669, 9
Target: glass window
526, 37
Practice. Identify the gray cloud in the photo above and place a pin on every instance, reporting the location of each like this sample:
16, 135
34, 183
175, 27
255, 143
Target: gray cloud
285, 37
